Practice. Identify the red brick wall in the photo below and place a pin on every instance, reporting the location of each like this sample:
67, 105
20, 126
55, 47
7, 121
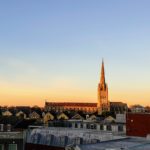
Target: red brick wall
137, 124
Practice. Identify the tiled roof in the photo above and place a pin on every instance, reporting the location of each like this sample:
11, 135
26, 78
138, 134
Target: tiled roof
70, 104
117, 103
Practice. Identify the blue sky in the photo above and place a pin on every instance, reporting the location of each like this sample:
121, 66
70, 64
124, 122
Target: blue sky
53, 50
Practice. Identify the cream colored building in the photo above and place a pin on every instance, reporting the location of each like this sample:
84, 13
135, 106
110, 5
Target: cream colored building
21, 114
7, 113
48, 116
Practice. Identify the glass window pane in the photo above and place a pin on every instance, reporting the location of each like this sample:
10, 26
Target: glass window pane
1, 147
12, 147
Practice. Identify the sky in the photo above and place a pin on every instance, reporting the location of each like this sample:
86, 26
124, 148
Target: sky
52, 50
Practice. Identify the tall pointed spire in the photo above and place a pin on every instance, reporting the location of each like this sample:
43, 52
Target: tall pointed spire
102, 80
103, 103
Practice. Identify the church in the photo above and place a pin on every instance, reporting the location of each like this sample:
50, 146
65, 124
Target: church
102, 105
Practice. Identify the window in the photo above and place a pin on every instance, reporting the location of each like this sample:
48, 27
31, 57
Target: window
1, 147
12, 147
48, 140
88, 126
93, 126
120, 128
101, 127
78, 141
76, 125
109, 127
63, 140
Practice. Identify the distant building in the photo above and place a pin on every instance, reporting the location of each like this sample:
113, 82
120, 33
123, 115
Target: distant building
120, 118
62, 116
101, 106
147, 109
109, 119
66, 106
21, 114
47, 117
34, 115
77, 117
25, 109
7, 113
137, 109
118, 107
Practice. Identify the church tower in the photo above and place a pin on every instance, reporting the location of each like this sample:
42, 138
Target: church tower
103, 102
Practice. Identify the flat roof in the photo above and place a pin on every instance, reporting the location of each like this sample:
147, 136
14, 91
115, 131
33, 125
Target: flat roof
120, 144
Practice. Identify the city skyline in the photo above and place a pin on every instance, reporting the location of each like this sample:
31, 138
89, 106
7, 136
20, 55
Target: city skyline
53, 50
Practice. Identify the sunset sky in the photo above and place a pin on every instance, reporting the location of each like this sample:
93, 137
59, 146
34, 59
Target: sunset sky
52, 50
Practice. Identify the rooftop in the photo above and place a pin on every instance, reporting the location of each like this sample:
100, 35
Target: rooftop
71, 104
121, 144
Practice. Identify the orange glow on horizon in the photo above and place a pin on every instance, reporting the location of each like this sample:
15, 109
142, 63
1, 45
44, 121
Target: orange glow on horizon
24, 95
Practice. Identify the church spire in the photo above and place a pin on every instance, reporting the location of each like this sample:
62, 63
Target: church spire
103, 104
102, 80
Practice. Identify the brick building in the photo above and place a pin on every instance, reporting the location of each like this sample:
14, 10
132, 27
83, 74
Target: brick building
138, 124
